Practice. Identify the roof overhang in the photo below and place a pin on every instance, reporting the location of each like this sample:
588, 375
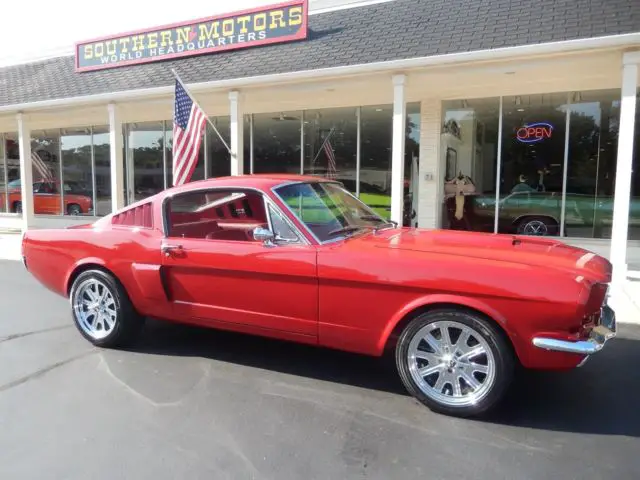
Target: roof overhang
395, 66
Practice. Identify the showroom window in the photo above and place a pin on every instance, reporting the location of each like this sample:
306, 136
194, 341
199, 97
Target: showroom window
9, 173
556, 157
351, 144
469, 144
66, 180
276, 142
4, 200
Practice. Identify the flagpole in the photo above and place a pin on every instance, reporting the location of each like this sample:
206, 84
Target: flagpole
198, 105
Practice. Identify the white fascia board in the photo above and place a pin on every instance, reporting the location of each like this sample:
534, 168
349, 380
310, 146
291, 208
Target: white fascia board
393, 66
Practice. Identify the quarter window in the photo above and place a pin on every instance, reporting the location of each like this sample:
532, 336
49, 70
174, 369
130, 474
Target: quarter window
220, 214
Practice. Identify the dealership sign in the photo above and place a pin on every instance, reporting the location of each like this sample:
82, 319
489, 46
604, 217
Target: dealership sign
534, 132
272, 24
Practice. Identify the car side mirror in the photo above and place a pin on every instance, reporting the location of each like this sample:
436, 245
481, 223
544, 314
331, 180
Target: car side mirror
263, 235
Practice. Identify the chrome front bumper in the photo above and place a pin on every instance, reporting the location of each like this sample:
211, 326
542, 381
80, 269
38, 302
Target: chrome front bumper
605, 330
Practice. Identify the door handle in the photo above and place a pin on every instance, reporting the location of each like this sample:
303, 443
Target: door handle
167, 249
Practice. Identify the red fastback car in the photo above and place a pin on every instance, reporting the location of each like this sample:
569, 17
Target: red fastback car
300, 258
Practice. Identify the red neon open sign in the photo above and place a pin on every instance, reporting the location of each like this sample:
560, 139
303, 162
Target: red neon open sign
534, 132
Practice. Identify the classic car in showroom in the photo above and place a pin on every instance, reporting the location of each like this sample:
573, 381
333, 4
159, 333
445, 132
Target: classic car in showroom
299, 258
48, 200
538, 213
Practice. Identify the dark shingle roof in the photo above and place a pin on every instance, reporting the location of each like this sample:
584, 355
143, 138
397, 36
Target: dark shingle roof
380, 32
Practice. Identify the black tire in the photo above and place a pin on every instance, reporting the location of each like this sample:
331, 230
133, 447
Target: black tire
548, 226
74, 209
128, 322
504, 362
17, 207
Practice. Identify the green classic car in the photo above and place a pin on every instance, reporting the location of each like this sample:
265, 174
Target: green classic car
538, 213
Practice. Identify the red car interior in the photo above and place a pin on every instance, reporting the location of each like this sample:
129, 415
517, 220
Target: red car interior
232, 220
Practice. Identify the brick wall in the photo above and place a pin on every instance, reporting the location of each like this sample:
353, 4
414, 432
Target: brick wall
430, 190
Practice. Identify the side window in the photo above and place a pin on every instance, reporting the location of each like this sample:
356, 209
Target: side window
281, 229
216, 214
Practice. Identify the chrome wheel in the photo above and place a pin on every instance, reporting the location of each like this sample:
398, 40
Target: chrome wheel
451, 363
535, 227
95, 308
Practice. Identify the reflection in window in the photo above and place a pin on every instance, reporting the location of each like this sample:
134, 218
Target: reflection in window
376, 132
469, 149
330, 144
45, 157
634, 206
144, 145
411, 159
218, 157
276, 142
4, 201
593, 135
102, 160
77, 171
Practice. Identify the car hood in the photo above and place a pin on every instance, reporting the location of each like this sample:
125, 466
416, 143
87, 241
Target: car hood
533, 251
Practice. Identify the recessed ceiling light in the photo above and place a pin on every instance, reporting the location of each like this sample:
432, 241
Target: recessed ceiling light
521, 109
378, 109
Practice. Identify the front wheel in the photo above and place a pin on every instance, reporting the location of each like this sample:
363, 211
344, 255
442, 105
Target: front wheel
102, 311
455, 362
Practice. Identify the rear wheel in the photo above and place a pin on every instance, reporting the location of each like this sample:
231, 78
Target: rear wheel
455, 362
102, 311
74, 209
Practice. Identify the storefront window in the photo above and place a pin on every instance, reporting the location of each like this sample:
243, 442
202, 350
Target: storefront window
102, 168
411, 163
634, 205
532, 164
469, 150
77, 172
276, 142
592, 154
10, 201
330, 144
145, 160
218, 158
376, 132
45, 157
4, 201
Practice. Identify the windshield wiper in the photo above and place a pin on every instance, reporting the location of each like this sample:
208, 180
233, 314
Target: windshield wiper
347, 229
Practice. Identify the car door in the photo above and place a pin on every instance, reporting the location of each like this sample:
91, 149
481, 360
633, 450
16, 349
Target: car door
215, 271
46, 199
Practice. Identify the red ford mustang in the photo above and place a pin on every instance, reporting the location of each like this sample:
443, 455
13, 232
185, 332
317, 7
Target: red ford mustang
300, 258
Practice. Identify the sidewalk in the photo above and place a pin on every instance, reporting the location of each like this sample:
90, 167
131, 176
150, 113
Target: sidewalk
10, 246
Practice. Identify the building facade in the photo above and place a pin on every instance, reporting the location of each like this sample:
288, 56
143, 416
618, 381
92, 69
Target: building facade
531, 114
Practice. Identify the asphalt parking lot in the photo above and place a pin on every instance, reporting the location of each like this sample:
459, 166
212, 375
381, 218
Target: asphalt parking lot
195, 403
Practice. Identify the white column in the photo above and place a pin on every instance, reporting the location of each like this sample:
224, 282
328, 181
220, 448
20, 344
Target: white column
397, 156
622, 190
117, 165
237, 131
26, 172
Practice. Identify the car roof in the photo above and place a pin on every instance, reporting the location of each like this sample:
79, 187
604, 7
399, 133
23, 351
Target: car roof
263, 181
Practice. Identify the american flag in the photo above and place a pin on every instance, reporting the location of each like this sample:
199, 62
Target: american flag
331, 168
188, 126
41, 167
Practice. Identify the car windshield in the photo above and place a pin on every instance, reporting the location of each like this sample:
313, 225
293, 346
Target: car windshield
328, 210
